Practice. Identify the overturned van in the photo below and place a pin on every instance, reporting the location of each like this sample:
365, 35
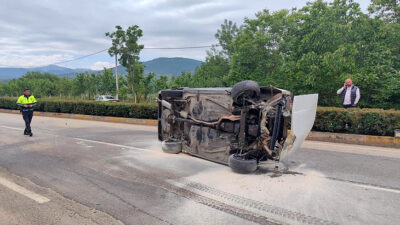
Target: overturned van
239, 126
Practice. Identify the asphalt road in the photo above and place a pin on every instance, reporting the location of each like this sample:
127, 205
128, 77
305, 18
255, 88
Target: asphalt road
86, 172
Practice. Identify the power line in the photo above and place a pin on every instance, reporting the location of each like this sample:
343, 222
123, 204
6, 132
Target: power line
204, 46
146, 48
150, 48
81, 57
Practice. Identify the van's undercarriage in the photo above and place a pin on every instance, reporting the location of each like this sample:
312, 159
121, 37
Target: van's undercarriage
241, 126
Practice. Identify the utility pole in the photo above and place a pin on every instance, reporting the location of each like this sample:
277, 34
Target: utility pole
116, 76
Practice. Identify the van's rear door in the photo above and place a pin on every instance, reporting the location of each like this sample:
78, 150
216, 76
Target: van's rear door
303, 116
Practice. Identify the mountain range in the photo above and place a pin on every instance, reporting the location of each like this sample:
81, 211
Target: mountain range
163, 65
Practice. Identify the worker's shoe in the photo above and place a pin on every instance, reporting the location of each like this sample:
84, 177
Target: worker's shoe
25, 132
30, 134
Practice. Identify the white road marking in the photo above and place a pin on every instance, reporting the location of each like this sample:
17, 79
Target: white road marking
21, 190
353, 149
378, 188
83, 143
13, 128
112, 144
387, 189
87, 140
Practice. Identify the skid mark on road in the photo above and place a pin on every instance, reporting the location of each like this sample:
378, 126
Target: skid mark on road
21, 190
201, 199
249, 209
353, 183
257, 207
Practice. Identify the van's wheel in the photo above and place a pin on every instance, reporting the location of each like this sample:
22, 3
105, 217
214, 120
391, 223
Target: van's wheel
171, 147
241, 165
245, 89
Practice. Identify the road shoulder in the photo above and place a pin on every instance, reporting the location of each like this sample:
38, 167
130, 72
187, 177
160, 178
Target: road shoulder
17, 208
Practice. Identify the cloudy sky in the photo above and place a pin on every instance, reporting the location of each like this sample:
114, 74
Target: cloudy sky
41, 32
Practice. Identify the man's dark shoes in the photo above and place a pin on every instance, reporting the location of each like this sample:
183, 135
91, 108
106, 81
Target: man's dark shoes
25, 132
30, 134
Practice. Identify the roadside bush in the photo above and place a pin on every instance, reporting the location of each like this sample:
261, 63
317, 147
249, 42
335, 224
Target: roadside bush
357, 121
329, 119
117, 109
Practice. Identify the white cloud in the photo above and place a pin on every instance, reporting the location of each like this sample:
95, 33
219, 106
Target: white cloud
22, 60
101, 65
31, 28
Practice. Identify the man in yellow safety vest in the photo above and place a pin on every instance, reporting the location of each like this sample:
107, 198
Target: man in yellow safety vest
26, 102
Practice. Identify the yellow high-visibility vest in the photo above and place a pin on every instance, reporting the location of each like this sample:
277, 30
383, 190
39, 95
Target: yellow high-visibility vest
24, 100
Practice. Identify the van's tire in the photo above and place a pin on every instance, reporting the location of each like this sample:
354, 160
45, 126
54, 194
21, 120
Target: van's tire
171, 147
172, 94
241, 165
246, 88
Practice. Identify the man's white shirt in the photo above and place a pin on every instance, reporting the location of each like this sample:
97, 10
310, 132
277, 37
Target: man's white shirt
347, 97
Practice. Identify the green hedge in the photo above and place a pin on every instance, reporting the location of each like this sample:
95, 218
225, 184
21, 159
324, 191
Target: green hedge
357, 121
329, 119
118, 109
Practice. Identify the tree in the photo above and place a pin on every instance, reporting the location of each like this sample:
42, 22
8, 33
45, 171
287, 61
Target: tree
257, 48
211, 73
161, 82
105, 81
387, 9
184, 80
124, 43
148, 85
225, 36
313, 49
64, 85
134, 78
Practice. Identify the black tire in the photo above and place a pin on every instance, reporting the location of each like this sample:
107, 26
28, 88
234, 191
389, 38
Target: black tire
171, 147
171, 94
246, 88
240, 165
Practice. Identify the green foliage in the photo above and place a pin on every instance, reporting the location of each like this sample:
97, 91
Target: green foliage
308, 50
85, 85
226, 36
129, 110
211, 73
359, 121
328, 119
386, 9
161, 83
124, 44
313, 50
43, 84
184, 80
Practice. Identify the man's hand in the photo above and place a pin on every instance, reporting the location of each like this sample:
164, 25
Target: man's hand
344, 85
30, 106
25, 106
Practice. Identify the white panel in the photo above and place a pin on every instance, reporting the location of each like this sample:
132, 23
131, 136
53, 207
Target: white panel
303, 117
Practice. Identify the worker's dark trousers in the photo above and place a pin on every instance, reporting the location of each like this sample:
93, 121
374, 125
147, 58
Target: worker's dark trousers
27, 115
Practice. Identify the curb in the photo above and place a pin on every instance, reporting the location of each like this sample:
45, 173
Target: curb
89, 117
358, 139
